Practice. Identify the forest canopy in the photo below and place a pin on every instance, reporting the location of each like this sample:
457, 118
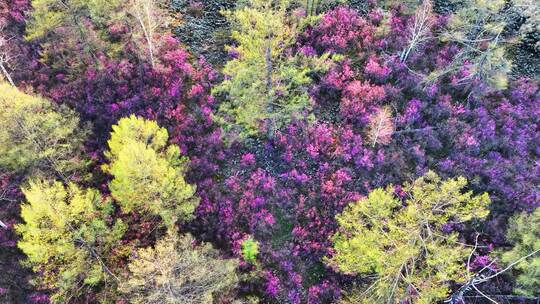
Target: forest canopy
280, 151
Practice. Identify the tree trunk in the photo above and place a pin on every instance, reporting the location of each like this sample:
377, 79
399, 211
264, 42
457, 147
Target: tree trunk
6, 74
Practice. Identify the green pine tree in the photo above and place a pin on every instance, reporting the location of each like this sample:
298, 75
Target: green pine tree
36, 136
148, 174
176, 271
67, 237
264, 84
400, 243
524, 233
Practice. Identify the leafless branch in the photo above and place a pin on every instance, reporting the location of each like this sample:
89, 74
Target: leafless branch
149, 17
509, 266
381, 127
470, 255
479, 278
5, 56
420, 30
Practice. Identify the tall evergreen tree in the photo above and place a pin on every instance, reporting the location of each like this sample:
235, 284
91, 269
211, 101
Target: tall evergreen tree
402, 242
524, 233
266, 83
148, 174
36, 136
67, 237
176, 271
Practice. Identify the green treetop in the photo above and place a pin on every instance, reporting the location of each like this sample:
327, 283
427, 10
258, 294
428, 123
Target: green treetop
264, 83
176, 271
35, 136
401, 243
148, 174
66, 236
250, 250
48, 15
73, 34
524, 233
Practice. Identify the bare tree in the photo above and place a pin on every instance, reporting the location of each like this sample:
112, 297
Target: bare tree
530, 10
478, 28
5, 56
149, 16
381, 127
483, 276
420, 30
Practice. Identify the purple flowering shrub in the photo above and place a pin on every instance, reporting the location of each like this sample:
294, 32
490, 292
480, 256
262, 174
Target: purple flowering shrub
497, 144
491, 138
286, 191
119, 87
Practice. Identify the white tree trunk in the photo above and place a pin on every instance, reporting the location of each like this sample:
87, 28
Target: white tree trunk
6, 74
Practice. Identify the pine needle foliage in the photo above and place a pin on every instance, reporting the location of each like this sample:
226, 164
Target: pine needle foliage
148, 174
265, 84
524, 233
66, 237
37, 136
401, 243
176, 271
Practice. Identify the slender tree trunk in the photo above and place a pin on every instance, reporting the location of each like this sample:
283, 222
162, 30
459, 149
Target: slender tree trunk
142, 11
148, 35
414, 130
83, 36
6, 74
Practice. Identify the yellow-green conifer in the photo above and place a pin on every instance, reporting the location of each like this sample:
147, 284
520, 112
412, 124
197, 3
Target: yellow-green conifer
148, 174
67, 238
37, 136
264, 84
400, 244
524, 233
176, 271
